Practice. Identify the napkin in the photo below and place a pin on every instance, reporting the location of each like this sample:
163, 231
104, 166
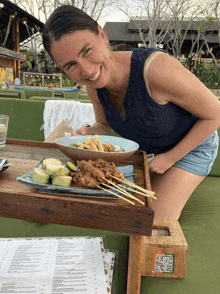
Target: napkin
60, 131
75, 113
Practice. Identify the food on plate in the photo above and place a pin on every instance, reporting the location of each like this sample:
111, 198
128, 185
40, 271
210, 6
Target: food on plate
64, 181
93, 173
55, 169
90, 174
50, 161
99, 144
71, 166
94, 143
40, 176
98, 174
66, 171
108, 147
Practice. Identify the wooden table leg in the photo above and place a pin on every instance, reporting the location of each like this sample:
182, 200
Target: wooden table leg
135, 264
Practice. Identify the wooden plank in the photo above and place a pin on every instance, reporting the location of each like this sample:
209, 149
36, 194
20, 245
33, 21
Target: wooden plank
147, 179
135, 264
75, 212
12, 54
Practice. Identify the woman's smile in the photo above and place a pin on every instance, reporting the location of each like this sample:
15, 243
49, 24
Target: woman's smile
96, 76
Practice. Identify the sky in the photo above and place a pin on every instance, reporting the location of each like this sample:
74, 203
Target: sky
116, 16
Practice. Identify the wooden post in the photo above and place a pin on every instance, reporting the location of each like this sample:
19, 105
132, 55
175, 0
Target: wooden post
16, 46
165, 255
135, 264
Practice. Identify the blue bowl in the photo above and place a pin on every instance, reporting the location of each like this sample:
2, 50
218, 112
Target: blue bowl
75, 153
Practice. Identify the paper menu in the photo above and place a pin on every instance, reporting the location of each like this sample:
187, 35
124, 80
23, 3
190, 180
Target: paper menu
55, 265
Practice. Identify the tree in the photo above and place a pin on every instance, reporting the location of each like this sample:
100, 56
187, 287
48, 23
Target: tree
217, 16
166, 21
210, 21
182, 14
205, 28
149, 16
41, 9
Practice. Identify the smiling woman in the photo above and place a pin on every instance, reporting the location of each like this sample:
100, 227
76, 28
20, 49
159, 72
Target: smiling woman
144, 95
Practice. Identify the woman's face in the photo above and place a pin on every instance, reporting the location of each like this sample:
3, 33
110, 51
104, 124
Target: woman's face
84, 56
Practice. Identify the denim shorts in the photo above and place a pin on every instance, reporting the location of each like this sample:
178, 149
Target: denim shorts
200, 160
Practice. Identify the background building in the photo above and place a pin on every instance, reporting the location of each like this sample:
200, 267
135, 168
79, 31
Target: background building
129, 33
16, 25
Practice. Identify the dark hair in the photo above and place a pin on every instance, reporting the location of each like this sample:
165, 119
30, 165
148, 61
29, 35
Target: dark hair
64, 20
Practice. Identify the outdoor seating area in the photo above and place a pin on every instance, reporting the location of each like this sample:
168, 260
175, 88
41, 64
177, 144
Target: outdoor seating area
200, 223
200, 219
26, 115
42, 94
56, 186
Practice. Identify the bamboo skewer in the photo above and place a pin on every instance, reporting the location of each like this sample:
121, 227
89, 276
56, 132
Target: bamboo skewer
116, 195
150, 193
118, 189
138, 187
138, 192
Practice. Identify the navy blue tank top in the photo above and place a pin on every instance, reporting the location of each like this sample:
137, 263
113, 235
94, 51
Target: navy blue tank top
156, 128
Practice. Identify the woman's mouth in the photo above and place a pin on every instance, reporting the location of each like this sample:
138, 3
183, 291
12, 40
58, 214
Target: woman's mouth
96, 76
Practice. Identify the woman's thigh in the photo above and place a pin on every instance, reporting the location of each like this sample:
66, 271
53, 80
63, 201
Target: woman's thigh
173, 189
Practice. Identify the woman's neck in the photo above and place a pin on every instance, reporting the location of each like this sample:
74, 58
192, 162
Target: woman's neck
120, 73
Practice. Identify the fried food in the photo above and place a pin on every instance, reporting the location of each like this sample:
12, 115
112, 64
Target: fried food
108, 147
108, 168
94, 173
94, 143
98, 142
90, 141
84, 146
85, 179
86, 166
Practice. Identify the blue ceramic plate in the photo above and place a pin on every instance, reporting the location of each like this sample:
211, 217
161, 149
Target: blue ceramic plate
127, 170
75, 153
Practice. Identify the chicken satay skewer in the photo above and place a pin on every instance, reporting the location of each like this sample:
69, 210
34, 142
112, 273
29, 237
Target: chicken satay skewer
119, 189
116, 195
150, 193
141, 193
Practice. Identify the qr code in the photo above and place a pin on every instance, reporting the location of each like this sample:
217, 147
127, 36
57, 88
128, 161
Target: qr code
164, 263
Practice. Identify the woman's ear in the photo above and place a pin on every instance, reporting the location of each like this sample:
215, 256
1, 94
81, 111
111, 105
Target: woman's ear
103, 35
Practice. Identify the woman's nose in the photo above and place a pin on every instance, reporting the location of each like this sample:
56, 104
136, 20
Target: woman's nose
86, 69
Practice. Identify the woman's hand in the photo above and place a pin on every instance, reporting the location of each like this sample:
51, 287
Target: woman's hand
160, 163
82, 131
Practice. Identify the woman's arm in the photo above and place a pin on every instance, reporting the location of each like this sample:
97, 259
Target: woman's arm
100, 127
169, 81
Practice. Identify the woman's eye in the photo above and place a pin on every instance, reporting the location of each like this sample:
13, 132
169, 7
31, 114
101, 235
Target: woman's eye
86, 52
71, 64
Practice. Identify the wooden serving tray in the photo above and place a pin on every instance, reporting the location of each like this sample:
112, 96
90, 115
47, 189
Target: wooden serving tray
23, 202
